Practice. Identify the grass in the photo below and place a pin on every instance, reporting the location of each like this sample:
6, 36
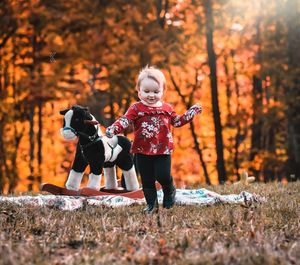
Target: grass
267, 233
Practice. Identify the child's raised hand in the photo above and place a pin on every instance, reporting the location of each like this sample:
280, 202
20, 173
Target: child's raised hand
192, 111
109, 132
197, 108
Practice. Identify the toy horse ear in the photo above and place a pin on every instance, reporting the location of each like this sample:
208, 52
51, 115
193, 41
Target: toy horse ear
63, 112
93, 122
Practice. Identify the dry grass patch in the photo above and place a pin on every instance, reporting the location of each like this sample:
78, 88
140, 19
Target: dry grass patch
265, 233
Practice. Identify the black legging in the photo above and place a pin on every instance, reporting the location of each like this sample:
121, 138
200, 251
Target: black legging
154, 167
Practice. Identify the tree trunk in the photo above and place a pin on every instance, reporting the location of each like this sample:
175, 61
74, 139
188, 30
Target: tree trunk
40, 142
3, 163
256, 121
228, 91
214, 90
1, 86
238, 121
31, 177
2, 159
13, 181
292, 90
32, 146
161, 18
2, 181
199, 152
269, 146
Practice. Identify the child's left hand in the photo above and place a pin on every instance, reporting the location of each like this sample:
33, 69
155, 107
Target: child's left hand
193, 111
197, 108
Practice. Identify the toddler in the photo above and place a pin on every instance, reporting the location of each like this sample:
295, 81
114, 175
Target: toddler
153, 143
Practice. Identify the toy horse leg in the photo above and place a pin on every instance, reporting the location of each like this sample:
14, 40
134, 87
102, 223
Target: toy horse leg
95, 174
131, 179
74, 180
110, 177
126, 164
96, 167
76, 173
94, 181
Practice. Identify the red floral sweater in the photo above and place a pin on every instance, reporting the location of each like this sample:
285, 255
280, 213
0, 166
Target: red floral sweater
152, 126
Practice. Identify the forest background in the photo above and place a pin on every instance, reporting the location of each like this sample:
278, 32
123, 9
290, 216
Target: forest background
240, 59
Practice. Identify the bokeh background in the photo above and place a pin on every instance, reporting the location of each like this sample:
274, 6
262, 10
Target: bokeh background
240, 59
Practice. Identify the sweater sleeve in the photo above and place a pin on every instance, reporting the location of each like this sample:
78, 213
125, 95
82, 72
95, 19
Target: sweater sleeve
122, 123
180, 120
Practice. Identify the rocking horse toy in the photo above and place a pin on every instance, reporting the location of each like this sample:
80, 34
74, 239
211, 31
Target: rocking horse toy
100, 153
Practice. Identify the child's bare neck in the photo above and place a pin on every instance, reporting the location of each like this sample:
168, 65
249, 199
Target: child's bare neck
157, 104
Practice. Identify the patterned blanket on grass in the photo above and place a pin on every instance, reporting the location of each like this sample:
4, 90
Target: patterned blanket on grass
183, 197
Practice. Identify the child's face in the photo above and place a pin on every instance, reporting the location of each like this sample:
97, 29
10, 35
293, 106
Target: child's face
150, 92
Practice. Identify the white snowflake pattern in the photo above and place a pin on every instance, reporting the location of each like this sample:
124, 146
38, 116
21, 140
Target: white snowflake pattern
147, 134
150, 129
124, 122
176, 119
167, 151
153, 148
170, 137
177, 124
144, 124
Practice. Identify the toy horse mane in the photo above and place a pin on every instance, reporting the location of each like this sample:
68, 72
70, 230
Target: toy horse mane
89, 118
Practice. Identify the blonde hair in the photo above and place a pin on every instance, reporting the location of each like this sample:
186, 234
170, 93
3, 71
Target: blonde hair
151, 73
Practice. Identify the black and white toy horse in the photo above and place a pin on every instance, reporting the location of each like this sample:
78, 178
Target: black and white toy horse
97, 151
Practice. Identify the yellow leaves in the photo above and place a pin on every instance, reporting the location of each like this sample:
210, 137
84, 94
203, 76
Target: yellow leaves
58, 40
10, 100
107, 109
123, 38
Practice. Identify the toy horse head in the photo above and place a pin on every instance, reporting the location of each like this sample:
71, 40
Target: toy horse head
78, 121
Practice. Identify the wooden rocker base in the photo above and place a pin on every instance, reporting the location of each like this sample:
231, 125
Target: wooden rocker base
87, 192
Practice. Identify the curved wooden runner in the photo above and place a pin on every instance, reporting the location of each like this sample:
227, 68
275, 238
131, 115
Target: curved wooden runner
57, 190
137, 194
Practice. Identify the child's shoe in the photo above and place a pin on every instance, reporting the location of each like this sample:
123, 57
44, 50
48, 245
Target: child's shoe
169, 196
151, 199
